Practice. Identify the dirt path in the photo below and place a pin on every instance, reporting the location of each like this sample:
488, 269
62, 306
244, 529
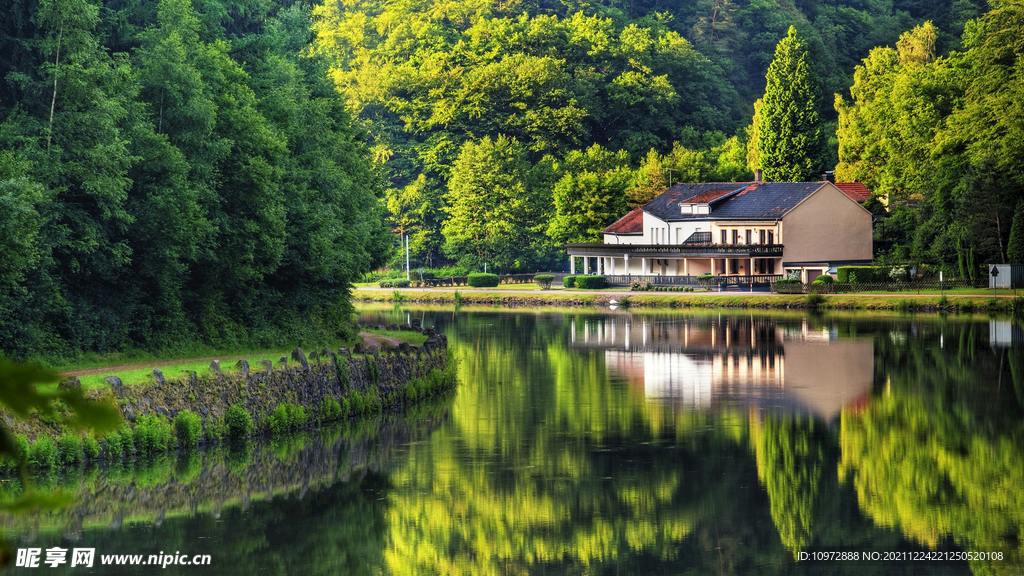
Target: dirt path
155, 364
375, 339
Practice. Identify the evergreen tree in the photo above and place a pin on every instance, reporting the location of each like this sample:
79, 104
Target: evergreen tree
790, 139
1015, 248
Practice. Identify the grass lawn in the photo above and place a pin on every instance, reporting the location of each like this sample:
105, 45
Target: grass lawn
133, 371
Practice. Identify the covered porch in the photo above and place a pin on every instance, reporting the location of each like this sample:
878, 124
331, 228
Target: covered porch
677, 265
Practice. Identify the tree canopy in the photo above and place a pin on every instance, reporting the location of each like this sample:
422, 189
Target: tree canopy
175, 175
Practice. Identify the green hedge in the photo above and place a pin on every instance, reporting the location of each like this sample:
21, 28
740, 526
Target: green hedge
394, 283
544, 280
862, 274
569, 282
482, 280
590, 282
824, 279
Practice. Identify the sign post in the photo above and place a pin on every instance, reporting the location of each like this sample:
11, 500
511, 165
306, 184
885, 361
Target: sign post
995, 273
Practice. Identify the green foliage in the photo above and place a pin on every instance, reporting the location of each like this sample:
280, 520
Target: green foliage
136, 151
331, 410
90, 447
791, 139
152, 435
814, 300
188, 428
342, 367
1015, 246
932, 136
824, 279
863, 274
42, 453
239, 422
372, 370
496, 207
482, 280
286, 417
569, 281
394, 283
71, 451
544, 280
591, 282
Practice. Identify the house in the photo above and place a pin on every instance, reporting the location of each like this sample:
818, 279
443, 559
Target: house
747, 232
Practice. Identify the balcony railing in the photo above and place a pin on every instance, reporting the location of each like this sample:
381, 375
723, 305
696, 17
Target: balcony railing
710, 283
677, 250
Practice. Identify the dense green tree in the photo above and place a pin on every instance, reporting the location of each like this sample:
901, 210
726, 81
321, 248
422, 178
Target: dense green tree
590, 195
790, 136
495, 210
1015, 247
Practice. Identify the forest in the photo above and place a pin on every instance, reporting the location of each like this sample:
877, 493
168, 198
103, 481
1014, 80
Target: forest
507, 129
220, 171
174, 173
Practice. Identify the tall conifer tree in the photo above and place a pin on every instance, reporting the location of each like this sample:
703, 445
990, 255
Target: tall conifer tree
790, 139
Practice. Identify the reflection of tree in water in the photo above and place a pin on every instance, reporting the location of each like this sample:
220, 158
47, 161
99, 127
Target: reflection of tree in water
938, 456
553, 465
791, 461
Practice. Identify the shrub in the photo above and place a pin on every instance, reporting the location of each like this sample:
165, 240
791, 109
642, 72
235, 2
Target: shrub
238, 421
943, 301
372, 369
482, 280
70, 449
544, 280
330, 409
590, 282
814, 300
569, 282
188, 427
287, 416
42, 454
824, 279
394, 283
640, 285
152, 434
787, 286
90, 447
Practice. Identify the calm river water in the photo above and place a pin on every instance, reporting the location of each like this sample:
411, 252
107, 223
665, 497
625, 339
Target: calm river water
614, 442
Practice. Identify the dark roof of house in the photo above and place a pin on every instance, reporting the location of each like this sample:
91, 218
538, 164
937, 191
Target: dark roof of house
733, 201
632, 223
857, 191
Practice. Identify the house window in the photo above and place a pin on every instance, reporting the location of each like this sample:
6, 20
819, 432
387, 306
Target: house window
734, 263
771, 266
762, 236
749, 237
735, 236
724, 241
771, 237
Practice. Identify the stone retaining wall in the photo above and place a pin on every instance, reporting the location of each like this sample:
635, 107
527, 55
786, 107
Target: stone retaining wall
301, 379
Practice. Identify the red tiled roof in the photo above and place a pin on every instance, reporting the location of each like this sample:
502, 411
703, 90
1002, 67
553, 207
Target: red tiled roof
632, 223
857, 191
709, 196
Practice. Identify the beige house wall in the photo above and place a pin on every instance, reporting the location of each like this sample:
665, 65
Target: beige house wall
827, 226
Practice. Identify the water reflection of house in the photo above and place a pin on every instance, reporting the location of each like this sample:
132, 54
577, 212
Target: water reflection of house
702, 361
1005, 333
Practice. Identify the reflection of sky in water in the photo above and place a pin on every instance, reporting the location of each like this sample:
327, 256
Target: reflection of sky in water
734, 359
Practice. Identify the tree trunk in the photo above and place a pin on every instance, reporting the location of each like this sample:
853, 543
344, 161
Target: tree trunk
53, 101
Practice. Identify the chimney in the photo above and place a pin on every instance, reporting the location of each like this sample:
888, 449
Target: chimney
757, 175
829, 176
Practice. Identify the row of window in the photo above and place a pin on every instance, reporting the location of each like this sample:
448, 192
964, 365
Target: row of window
658, 236
765, 236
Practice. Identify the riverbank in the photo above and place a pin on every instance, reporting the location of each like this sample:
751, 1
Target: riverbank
510, 298
233, 403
